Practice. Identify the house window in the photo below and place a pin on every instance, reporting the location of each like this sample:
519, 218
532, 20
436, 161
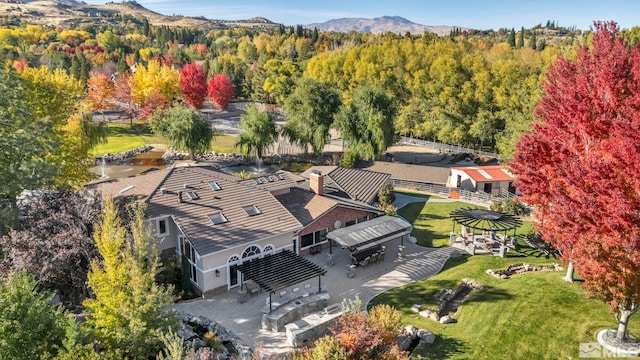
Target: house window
190, 254
181, 241
251, 210
193, 195
162, 227
214, 186
232, 264
218, 218
314, 238
349, 223
251, 252
268, 250
362, 219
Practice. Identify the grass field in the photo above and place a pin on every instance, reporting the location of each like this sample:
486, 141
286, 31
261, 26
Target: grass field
122, 137
529, 316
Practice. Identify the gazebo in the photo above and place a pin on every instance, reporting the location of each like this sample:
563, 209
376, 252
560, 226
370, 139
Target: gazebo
485, 220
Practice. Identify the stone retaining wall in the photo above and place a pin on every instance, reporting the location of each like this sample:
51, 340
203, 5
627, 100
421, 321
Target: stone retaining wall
193, 328
109, 158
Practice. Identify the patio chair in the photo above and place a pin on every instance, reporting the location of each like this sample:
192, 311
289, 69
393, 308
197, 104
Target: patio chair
374, 258
364, 262
354, 261
381, 256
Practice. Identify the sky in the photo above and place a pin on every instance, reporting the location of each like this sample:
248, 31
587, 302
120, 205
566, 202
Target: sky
476, 14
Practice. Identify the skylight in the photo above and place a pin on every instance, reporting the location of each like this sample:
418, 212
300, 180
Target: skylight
193, 195
251, 210
258, 181
217, 218
280, 176
270, 179
214, 185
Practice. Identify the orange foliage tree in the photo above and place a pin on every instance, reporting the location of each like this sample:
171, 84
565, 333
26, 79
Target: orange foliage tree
100, 92
221, 90
193, 83
580, 167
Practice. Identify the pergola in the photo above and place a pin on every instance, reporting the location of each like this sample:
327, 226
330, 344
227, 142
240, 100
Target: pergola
280, 271
369, 234
486, 220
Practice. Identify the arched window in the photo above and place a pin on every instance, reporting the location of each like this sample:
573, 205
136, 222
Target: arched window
233, 259
268, 250
251, 252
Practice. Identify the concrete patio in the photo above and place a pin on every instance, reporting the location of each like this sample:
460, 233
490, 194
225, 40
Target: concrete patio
244, 319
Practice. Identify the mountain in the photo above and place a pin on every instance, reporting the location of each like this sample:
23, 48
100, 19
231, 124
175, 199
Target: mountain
395, 24
71, 13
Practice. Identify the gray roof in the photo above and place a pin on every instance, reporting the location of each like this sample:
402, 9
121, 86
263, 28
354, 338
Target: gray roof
193, 215
140, 186
419, 173
355, 184
371, 233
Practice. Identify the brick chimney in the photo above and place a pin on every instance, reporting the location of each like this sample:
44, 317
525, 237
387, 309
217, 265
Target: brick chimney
316, 183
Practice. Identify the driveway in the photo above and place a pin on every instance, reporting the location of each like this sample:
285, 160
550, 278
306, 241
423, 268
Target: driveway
244, 319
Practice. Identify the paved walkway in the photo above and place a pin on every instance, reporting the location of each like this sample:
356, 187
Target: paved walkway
244, 319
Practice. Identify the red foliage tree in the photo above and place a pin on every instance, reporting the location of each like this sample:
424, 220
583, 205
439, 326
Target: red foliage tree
580, 167
221, 90
154, 101
193, 84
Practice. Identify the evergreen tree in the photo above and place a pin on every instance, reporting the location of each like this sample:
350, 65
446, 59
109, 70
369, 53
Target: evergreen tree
520, 43
511, 39
314, 35
122, 64
533, 41
130, 311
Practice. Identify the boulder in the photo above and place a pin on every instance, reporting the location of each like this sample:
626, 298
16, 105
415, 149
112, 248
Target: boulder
186, 333
426, 336
410, 330
425, 313
446, 319
416, 308
404, 342
434, 316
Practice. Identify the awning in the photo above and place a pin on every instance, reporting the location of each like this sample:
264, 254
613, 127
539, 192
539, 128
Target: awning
371, 233
279, 271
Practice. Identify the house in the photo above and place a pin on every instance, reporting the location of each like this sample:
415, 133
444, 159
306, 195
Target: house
494, 179
217, 221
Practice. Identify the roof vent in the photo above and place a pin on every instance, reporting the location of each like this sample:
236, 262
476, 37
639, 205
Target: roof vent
127, 189
163, 191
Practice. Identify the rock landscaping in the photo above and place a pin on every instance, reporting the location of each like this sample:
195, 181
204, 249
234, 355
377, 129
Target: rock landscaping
193, 329
521, 268
450, 300
109, 158
413, 337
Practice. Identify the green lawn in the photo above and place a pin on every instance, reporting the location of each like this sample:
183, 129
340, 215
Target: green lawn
529, 316
121, 137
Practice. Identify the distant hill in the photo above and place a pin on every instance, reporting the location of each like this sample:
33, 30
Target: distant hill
71, 13
395, 24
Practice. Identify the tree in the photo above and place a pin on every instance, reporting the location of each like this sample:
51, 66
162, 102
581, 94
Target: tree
580, 167
259, 131
100, 90
366, 125
221, 90
152, 79
193, 83
30, 327
511, 38
185, 129
19, 129
53, 243
130, 311
311, 108
520, 42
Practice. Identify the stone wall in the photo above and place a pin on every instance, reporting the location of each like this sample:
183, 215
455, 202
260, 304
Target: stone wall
109, 158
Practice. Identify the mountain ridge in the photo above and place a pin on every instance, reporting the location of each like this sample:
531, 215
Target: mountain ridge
382, 24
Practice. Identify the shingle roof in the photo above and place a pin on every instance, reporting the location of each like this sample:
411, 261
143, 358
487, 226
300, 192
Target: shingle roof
305, 205
141, 186
193, 215
410, 172
276, 180
355, 184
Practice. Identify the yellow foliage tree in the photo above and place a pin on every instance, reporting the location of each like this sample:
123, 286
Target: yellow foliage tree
154, 77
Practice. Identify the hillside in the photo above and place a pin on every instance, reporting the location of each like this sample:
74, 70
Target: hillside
71, 13
395, 24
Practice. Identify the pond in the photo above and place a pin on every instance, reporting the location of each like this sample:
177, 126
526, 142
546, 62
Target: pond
133, 166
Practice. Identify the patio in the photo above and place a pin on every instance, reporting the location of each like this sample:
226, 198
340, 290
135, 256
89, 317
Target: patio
244, 319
